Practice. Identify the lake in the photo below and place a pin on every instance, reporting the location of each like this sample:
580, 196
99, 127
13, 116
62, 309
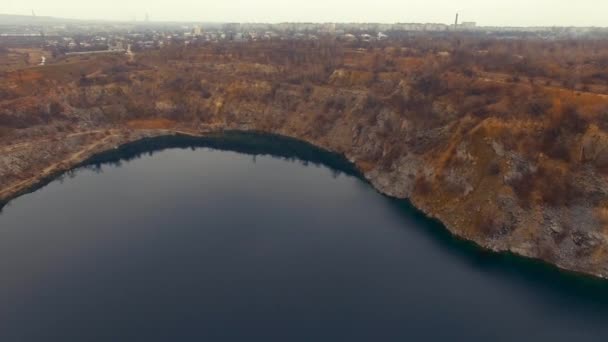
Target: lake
261, 239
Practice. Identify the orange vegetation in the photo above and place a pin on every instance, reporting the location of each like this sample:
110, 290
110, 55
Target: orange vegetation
151, 124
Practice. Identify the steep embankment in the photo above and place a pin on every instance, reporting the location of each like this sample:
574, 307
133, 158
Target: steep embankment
532, 184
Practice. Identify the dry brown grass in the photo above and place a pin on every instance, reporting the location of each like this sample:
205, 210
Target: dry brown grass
602, 215
151, 124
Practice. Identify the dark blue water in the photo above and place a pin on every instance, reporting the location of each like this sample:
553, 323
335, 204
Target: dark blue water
210, 245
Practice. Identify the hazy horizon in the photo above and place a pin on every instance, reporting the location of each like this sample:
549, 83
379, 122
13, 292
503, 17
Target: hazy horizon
486, 13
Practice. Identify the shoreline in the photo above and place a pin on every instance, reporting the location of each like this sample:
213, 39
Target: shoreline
88, 154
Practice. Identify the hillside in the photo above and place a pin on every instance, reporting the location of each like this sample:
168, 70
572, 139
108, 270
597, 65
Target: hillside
505, 142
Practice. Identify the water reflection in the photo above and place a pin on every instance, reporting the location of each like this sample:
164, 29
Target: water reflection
279, 241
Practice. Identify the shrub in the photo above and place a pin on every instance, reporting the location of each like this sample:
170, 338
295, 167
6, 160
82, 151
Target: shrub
7, 94
487, 225
429, 84
55, 109
395, 152
553, 144
556, 186
572, 121
539, 106
84, 81
307, 91
422, 186
335, 104
5, 131
494, 168
372, 103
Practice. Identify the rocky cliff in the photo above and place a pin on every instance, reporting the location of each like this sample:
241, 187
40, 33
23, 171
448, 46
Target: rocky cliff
511, 166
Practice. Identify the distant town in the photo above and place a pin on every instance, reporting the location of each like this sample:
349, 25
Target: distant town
67, 36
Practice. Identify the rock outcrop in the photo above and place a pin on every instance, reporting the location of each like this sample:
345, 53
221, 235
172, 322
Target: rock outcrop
531, 186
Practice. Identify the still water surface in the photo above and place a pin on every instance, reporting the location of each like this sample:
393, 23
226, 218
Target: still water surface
200, 244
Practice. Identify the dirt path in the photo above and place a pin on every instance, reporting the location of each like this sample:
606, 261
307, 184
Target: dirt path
130, 54
67, 162
506, 79
11, 148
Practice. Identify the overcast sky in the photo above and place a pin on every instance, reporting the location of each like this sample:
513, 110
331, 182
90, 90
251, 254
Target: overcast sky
485, 12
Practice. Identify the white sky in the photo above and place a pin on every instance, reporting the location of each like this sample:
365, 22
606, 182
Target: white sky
485, 12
